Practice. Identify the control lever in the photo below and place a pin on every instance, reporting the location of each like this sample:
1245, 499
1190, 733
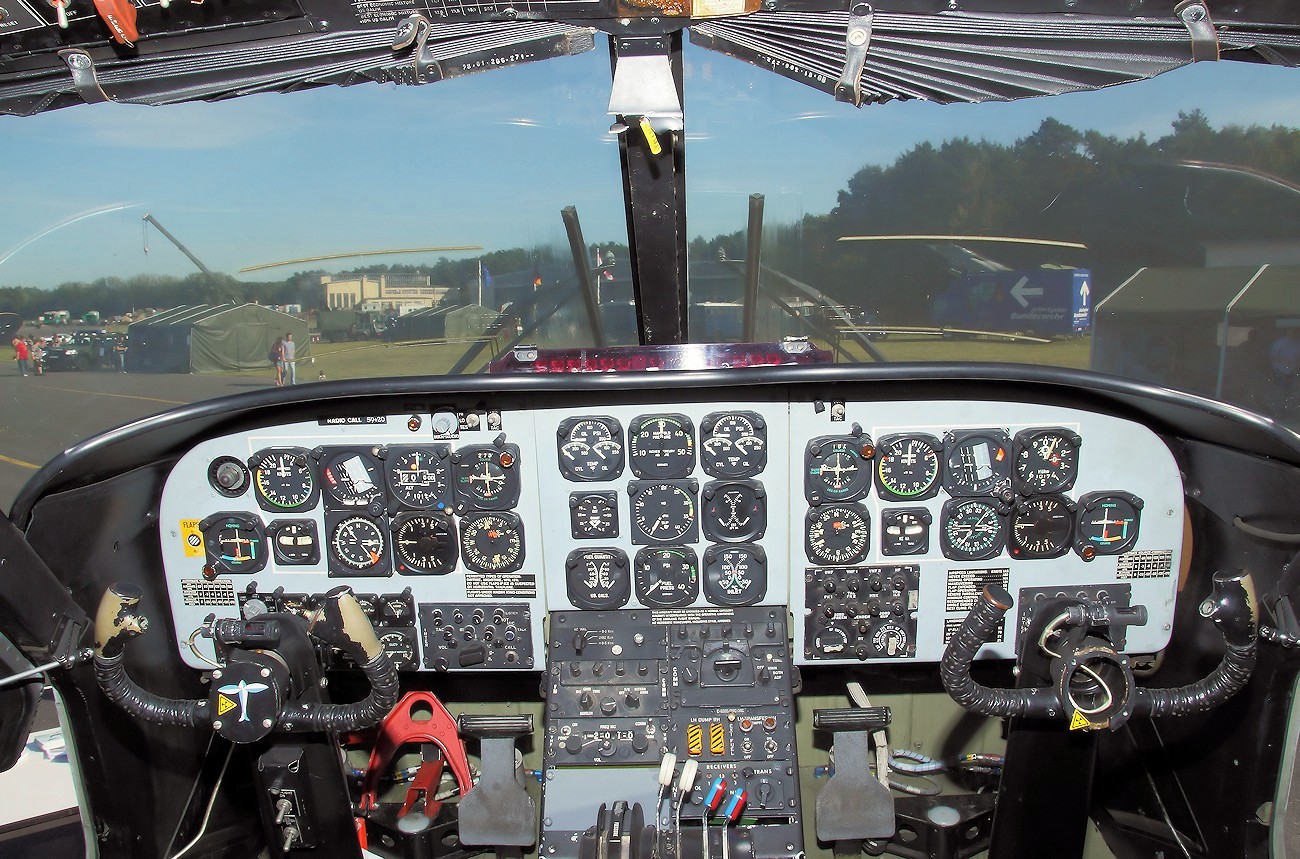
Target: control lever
498, 812
854, 806
236, 706
399, 728
1092, 684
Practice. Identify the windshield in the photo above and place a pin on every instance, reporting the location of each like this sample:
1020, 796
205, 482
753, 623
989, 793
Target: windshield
1146, 230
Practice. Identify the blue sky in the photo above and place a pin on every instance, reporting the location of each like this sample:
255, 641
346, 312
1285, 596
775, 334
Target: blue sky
488, 160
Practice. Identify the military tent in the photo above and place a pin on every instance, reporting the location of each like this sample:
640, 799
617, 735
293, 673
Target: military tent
207, 338
1205, 330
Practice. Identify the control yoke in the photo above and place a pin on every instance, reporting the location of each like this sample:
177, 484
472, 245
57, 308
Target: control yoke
1092, 683
255, 691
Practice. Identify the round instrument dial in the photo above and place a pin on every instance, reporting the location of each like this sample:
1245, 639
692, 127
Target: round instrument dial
1107, 523
591, 449
401, 648
837, 535
294, 541
905, 531
486, 477
661, 446
977, 462
663, 512
419, 476
1047, 460
735, 511
424, 544
351, 478
283, 479
735, 575
733, 444
972, 529
907, 467
667, 576
1041, 527
593, 515
234, 542
358, 543
598, 578
492, 542
837, 468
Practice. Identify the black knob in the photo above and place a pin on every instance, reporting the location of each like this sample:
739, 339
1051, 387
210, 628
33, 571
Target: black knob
585, 701
608, 706
573, 744
640, 742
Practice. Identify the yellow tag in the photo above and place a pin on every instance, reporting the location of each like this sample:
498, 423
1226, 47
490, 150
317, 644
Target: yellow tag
192, 538
717, 738
694, 739
1079, 722
224, 705
651, 139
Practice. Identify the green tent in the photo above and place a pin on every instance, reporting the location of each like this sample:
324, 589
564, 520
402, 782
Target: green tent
1205, 330
208, 338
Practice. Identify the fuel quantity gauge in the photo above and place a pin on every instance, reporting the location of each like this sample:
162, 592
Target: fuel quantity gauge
598, 578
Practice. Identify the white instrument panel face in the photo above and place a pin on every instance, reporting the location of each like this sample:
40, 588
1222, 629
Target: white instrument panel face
876, 523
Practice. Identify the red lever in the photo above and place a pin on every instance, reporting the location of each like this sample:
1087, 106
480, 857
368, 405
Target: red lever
119, 15
400, 728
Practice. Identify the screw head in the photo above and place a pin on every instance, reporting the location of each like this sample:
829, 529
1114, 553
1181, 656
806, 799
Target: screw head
216, 725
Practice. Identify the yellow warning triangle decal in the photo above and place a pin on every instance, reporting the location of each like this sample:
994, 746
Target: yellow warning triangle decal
224, 705
1079, 722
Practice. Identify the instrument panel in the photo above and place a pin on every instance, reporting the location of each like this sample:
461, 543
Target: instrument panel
875, 523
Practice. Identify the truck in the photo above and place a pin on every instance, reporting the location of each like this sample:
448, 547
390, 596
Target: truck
1045, 302
335, 325
55, 317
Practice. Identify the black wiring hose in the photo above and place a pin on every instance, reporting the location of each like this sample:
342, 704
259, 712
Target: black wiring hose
110, 672
979, 627
384, 690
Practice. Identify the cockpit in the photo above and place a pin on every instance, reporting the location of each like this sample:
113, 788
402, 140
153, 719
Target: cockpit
945, 514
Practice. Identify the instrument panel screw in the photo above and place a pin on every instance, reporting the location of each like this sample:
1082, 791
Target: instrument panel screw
216, 725
266, 723
266, 672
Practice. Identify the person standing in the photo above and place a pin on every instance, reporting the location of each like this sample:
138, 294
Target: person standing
277, 358
37, 354
289, 351
20, 355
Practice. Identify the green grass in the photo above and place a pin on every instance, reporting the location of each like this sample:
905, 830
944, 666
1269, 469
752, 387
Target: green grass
368, 359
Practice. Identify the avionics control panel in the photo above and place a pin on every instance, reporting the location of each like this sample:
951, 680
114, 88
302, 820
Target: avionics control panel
875, 523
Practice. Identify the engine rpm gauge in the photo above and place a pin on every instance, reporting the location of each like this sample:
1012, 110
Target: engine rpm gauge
977, 462
492, 542
1047, 460
667, 576
357, 545
838, 534
972, 529
419, 477
907, 467
1041, 527
837, 468
735, 575
424, 544
486, 477
1107, 524
352, 478
283, 479
663, 511
590, 448
733, 444
598, 578
661, 446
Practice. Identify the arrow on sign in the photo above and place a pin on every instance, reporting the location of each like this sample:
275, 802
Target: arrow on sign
1020, 290
1084, 291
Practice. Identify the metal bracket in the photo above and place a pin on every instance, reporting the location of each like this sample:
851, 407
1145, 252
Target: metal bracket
857, 41
1195, 15
84, 77
853, 805
498, 812
414, 31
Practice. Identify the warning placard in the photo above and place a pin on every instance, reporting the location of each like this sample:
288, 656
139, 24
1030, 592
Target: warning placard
964, 586
952, 624
489, 586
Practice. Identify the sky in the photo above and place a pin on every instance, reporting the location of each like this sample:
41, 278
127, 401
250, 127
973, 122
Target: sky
488, 160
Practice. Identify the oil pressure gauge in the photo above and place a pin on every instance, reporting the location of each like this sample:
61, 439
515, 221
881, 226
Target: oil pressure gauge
733, 444
590, 448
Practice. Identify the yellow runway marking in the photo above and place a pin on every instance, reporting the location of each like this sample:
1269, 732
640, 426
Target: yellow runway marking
121, 396
12, 461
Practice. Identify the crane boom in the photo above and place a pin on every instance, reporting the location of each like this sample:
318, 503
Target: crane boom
179, 245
